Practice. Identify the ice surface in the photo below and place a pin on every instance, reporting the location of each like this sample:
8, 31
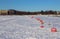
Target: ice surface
25, 27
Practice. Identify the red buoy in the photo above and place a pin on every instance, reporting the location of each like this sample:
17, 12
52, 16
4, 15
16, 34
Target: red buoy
41, 21
41, 26
53, 29
32, 17
38, 19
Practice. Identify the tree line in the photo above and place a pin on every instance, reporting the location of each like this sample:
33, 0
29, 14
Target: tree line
16, 12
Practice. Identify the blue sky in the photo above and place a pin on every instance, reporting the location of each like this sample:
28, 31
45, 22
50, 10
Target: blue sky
30, 5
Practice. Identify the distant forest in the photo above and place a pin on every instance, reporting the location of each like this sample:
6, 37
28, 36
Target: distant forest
16, 12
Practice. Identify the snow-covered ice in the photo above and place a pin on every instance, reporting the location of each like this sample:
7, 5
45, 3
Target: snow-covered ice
25, 27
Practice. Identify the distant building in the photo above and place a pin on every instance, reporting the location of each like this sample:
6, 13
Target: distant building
3, 12
11, 12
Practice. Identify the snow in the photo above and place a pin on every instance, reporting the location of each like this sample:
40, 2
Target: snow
30, 38
25, 27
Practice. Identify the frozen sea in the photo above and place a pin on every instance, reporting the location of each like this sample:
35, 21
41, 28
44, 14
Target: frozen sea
26, 27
